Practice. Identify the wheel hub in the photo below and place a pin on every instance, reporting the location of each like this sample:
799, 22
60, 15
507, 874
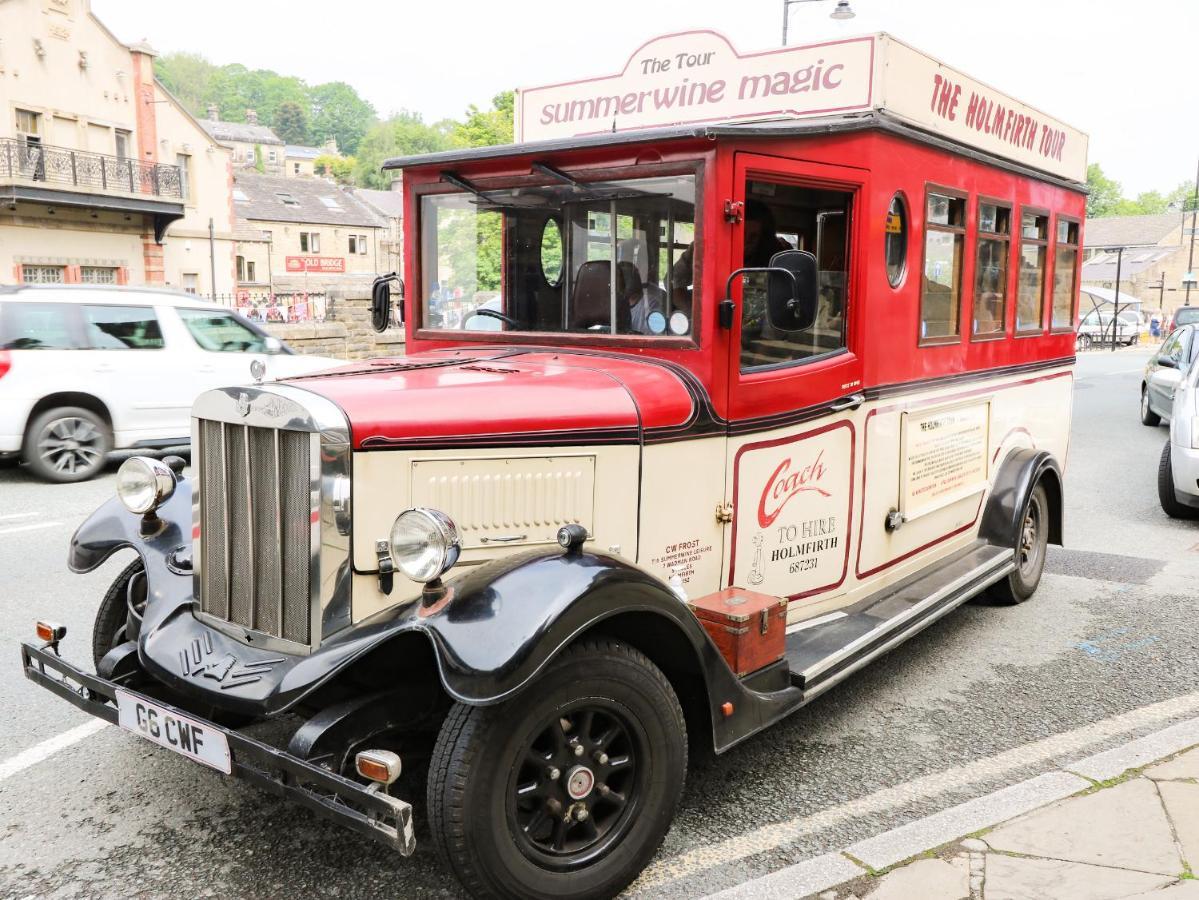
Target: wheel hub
579, 782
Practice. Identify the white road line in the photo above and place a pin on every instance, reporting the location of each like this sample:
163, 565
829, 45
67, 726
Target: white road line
47, 748
7, 516
773, 836
18, 529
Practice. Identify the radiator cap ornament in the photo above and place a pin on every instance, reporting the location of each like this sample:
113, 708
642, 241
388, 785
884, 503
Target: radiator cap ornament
257, 370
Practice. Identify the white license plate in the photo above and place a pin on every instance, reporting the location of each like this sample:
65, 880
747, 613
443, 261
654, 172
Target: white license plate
187, 737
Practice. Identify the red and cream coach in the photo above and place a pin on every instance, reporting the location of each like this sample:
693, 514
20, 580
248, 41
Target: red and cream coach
732, 374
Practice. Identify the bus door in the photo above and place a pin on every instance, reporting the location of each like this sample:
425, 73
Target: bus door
795, 384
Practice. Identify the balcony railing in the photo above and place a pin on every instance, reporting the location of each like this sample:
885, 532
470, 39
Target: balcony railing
30, 161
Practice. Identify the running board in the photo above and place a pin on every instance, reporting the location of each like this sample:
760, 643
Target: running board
826, 650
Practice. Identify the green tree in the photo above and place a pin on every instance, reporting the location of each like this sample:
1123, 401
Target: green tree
404, 134
188, 77
1105, 193
258, 161
291, 123
341, 168
338, 111
483, 128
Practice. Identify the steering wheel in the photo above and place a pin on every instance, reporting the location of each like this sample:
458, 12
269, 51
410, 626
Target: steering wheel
491, 314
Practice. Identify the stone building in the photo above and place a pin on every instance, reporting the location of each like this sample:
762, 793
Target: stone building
390, 206
104, 176
249, 141
299, 160
1153, 261
302, 235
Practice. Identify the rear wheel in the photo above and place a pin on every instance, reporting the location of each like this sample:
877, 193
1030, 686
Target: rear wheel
1148, 416
1165, 490
67, 444
1031, 545
567, 791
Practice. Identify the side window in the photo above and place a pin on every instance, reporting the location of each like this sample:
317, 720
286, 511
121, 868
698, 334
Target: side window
1171, 347
941, 286
788, 217
1065, 274
121, 328
990, 269
896, 242
37, 326
1030, 295
221, 332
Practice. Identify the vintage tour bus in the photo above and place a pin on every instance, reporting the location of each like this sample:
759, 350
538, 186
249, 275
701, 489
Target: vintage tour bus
733, 373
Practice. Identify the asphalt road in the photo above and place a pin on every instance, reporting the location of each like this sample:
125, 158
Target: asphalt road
985, 697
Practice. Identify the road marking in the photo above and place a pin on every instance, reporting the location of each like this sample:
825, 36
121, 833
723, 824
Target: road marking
28, 515
776, 835
47, 748
18, 529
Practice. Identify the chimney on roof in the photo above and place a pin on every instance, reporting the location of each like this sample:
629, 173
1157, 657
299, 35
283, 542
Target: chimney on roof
330, 146
214, 112
251, 117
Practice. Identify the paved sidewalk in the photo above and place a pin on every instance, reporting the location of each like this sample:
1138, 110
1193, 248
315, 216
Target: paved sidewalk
1121, 824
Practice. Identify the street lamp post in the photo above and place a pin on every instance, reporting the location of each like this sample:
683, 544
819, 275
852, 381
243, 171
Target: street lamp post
840, 12
1190, 280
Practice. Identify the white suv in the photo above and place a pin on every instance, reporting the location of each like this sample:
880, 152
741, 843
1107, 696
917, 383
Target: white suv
89, 369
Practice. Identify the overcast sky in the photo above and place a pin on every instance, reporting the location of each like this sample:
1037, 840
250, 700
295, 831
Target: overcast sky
1122, 71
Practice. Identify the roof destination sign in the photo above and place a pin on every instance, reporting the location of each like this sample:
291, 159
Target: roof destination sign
698, 76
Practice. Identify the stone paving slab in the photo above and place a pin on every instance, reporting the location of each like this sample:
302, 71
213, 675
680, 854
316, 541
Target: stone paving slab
1185, 766
925, 879
1114, 763
907, 841
1019, 878
1182, 805
1123, 826
1184, 890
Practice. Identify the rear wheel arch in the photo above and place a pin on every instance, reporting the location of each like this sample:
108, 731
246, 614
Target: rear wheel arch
60, 399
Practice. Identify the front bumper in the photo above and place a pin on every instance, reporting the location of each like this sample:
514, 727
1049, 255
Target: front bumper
368, 811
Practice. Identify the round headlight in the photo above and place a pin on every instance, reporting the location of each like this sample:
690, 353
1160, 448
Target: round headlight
144, 484
424, 544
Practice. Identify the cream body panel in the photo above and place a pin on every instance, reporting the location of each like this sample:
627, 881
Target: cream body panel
383, 483
682, 484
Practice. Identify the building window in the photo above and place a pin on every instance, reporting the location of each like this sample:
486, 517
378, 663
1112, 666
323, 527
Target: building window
98, 274
353, 243
1030, 294
241, 268
310, 242
43, 274
270, 155
184, 162
330, 203
296, 168
362, 245
251, 273
191, 282
287, 199
122, 143
1065, 274
941, 291
239, 196
990, 269
29, 126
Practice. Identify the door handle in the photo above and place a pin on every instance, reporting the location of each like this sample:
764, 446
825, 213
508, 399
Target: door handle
852, 401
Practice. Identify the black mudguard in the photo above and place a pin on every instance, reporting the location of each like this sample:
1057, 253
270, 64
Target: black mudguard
492, 630
1021, 471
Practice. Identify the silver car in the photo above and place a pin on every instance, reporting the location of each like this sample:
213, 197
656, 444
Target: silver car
1178, 469
1164, 373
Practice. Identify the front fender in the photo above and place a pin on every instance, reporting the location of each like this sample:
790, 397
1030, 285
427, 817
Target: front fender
112, 527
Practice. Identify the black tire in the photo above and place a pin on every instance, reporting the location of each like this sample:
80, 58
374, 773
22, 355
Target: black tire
492, 791
1148, 416
1165, 490
109, 627
67, 444
1031, 545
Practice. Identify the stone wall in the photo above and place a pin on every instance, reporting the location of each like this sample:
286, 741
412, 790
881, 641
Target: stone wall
346, 333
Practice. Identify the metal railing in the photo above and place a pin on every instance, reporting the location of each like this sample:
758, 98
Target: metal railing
36, 162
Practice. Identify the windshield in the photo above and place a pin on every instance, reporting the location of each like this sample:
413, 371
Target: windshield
610, 257
1188, 315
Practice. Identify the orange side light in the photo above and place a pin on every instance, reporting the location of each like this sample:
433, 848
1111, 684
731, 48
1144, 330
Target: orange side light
375, 771
50, 632
726, 708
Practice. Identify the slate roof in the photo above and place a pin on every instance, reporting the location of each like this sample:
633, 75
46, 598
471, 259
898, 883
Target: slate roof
299, 151
241, 132
1132, 262
1129, 231
386, 203
263, 202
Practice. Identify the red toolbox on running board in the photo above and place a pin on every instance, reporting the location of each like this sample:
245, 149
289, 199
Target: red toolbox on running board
748, 628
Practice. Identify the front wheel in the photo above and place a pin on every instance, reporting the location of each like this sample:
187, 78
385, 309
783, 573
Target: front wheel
1165, 489
1031, 545
1148, 416
567, 791
126, 593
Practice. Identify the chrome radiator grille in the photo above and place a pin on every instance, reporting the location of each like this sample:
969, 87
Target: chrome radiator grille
256, 522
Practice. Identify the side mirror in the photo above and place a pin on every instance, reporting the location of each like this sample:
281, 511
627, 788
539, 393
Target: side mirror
381, 301
792, 292
273, 345
1167, 362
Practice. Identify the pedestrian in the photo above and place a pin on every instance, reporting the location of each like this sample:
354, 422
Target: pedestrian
1155, 325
